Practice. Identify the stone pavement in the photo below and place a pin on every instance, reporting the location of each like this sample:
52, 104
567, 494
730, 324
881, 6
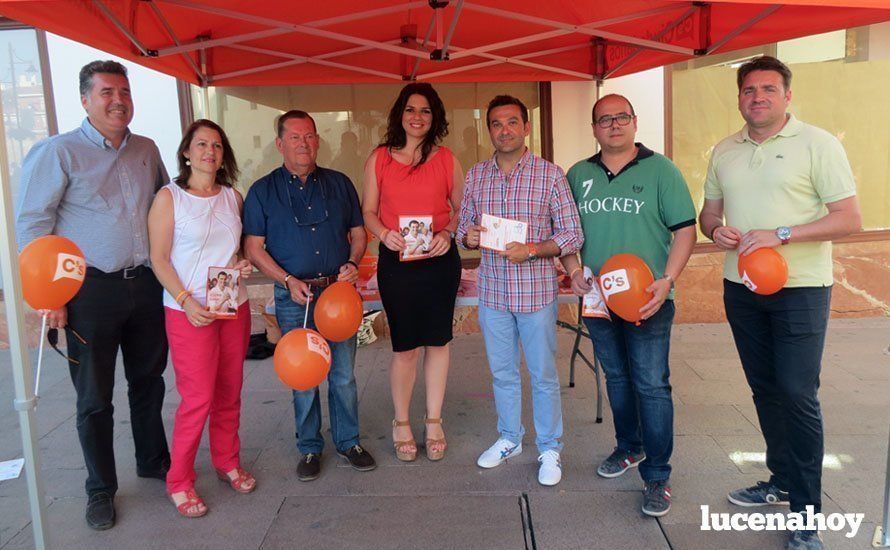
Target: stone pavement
454, 504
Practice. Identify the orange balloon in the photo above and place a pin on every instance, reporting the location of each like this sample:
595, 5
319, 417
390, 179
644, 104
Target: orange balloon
623, 280
763, 271
302, 359
338, 312
52, 269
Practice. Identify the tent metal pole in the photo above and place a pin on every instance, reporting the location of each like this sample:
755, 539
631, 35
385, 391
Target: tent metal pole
520, 60
658, 36
483, 64
299, 59
882, 532
121, 27
173, 37
225, 41
308, 29
25, 402
593, 29
510, 43
587, 29
454, 18
426, 39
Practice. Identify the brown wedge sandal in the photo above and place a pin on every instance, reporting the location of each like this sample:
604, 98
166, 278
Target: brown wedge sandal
431, 454
410, 456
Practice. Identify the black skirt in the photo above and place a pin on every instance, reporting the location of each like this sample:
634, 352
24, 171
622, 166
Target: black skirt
418, 297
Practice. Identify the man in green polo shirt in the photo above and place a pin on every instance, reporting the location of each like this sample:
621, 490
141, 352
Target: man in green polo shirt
634, 200
783, 184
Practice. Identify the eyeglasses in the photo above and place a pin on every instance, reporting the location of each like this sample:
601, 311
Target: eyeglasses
52, 336
623, 119
319, 218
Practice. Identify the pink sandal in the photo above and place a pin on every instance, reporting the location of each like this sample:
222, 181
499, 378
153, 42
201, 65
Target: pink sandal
192, 500
239, 482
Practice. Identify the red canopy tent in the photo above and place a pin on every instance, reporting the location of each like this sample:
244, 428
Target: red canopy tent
274, 42
277, 42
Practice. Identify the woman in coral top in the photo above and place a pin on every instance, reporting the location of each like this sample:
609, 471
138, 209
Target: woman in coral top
411, 176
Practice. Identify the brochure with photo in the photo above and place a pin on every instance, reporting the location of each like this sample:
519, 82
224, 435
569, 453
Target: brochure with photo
222, 292
593, 304
417, 230
499, 232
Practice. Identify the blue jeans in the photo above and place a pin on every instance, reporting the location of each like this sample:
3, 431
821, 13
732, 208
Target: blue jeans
503, 330
635, 362
342, 392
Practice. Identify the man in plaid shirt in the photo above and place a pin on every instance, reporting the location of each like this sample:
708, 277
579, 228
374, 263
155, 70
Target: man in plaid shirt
517, 287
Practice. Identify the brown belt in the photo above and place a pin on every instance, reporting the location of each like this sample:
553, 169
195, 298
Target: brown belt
321, 282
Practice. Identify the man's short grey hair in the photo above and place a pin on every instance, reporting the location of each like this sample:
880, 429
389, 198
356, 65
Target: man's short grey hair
93, 67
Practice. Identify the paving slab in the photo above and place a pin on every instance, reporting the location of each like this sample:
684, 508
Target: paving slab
697, 419
415, 522
593, 520
712, 392
152, 522
16, 516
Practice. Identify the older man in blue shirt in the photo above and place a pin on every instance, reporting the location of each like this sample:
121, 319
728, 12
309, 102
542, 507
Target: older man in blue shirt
94, 185
305, 230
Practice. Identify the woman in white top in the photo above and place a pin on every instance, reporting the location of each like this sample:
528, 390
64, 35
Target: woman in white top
195, 225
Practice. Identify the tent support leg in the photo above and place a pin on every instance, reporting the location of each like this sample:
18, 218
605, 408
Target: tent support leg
18, 345
882, 532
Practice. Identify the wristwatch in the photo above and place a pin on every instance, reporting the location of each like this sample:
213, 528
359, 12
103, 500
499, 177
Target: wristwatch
532, 252
784, 234
669, 279
353, 264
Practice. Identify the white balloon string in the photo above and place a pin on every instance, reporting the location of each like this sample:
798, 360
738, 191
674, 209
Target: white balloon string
306, 316
40, 355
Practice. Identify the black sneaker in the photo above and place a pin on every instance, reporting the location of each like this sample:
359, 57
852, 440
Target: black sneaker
805, 540
100, 511
619, 462
762, 494
359, 458
309, 467
657, 498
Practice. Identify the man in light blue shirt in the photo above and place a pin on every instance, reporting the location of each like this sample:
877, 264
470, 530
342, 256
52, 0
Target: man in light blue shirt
94, 186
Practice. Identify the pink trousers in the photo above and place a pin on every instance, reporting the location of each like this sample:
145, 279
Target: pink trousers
209, 366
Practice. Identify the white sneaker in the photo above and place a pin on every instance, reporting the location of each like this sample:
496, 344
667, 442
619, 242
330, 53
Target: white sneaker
550, 472
498, 453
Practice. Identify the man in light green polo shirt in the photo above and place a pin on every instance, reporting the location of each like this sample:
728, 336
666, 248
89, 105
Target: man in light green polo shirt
783, 184
632, 200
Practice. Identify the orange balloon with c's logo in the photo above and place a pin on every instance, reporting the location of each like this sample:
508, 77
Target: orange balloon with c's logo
338, 312
52, 270
763, 271
302, 359
623, 280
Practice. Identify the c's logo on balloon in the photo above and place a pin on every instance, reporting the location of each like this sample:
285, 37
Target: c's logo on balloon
614, 282
69, 266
